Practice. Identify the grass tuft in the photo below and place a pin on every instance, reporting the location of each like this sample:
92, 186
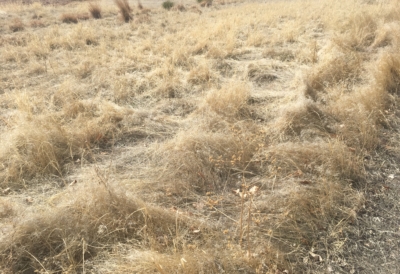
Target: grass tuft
69, 18
206, 3
79, 227
37, 24
16, 25
95, 10
124, 9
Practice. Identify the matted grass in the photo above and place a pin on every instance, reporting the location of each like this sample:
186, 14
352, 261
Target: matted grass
232, 139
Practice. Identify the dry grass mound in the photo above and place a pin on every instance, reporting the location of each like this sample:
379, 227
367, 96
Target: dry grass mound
87, 222
45, 145
209, 159
230, 100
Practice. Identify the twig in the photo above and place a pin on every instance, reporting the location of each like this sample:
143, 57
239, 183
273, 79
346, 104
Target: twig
83, 255
248, 227
37, 261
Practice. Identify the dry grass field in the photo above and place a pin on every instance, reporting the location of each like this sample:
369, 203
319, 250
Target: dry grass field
242, 137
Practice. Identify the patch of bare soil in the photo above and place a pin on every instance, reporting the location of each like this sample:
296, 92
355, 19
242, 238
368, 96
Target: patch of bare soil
372, 244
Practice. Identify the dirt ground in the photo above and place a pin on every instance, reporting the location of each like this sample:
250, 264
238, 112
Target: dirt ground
373, 243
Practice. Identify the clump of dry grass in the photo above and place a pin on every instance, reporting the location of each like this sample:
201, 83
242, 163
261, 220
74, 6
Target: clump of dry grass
230, 100
37, 24
69, 18
16, 25
82, 16
360, 32
7, 208
45, 145
385, 35
305, 120
86, 222
307, 161
387, 75
205, 3
344, 69
312, 211
95, 10
200, 74
179, 7
282, 55
208, 260
209, 155
124, 9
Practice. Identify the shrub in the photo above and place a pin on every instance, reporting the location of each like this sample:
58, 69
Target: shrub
95, 10
167, 5
16, 25
125, 10
69, 18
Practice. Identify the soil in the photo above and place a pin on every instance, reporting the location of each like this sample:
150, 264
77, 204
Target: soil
372, 244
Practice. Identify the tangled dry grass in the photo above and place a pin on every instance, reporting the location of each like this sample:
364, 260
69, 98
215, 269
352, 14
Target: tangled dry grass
230, 140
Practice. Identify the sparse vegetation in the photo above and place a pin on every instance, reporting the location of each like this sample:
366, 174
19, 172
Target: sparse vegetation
263, 142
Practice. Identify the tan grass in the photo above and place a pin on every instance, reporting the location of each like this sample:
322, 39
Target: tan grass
230, 100
82, 16
37, 24
190, 112
124, 9
69, 18
79, 225
95, 10
16, 25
